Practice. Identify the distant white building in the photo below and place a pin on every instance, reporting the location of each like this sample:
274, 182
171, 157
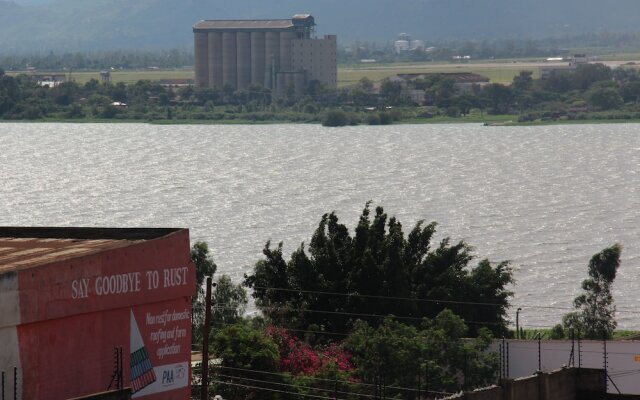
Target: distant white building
405, 44
416, 45
49, 80
401, 46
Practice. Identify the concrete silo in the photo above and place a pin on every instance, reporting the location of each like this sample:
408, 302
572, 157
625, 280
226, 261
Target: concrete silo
201, 58
285, 50
229, 62
215, 59
258, 58
243, 60
240, 53
272, 57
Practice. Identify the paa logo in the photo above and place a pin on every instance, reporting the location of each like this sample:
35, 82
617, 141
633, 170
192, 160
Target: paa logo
169, 376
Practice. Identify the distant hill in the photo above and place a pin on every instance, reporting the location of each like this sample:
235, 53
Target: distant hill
80, 25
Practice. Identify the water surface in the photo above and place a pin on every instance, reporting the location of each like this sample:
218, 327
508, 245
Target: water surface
545, 197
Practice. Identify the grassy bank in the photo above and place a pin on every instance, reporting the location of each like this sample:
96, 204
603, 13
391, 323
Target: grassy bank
499, 72
492, 120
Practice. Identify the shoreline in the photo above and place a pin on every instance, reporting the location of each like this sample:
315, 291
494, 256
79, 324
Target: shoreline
494, 121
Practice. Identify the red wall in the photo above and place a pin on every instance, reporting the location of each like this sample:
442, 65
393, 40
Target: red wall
75, 312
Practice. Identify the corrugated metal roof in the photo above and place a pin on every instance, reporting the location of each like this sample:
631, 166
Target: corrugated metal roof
21, 253
22, 248
266, 24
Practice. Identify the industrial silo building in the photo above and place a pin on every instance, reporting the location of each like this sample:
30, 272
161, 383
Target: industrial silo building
277, 54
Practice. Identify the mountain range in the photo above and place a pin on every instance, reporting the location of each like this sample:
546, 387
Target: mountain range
81, 25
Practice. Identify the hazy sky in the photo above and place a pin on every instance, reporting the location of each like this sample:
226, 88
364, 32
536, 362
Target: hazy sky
87, 24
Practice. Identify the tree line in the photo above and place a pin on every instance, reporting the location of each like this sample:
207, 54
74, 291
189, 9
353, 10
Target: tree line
98, 60
591, 91
376, 313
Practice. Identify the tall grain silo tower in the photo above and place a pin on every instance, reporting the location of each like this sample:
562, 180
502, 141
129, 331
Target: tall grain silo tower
276, 54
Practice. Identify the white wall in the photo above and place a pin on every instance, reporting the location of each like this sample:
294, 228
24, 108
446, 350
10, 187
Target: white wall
622, 366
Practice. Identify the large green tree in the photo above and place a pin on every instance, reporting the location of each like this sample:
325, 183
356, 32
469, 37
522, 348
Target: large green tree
340, 278
595, 315
398, 359
604, 96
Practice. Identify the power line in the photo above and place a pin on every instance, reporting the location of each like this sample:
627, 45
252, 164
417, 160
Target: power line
271, 390
287, 309
381, 316
379, 297
415, 299
295, 386
323, 379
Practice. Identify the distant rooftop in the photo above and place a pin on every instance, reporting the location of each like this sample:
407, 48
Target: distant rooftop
244, 24
256, 24
22, 248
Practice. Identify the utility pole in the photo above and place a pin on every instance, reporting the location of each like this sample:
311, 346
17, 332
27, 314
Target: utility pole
204, 395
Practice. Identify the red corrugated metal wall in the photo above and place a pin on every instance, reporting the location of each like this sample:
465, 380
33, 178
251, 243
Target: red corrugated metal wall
75, 312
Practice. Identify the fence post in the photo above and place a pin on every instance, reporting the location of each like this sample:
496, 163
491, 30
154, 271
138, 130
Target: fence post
507, 363
606, 373
539, 352
501, 361
2, 385
579, 350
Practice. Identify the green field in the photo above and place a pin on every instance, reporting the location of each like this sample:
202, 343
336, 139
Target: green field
127, 76
497, 72
133, 76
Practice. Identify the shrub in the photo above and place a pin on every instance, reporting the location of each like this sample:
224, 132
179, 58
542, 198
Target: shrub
385, 118
354, 119
373, 119
335, 118
453, 111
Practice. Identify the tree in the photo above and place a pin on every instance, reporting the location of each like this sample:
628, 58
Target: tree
205, 266
500, 97
523, 81
595, 315
249, 359
391, 92
442, 91
588, 74
229, 302
396, 355
377, 272
604, 96
362, 92
630, 91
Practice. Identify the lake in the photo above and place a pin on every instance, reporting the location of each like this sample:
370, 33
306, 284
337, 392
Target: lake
546, 197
